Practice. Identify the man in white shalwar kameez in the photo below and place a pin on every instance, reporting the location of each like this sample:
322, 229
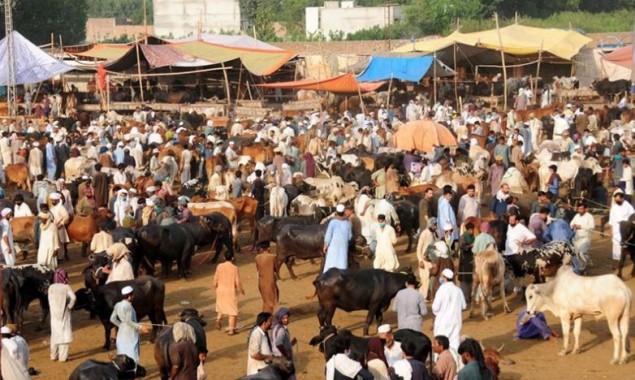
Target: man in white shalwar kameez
364, 208
120, 206
125, 318
61, 300
49, 241
621, 210
426, 238
121, 268
448, 304
61, 219
14, 357
6, 240
36, 161
385, 254
582, 224
101, 240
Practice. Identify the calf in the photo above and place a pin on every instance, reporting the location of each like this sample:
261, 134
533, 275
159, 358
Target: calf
489, 271
325, 342
370, 289
149, 298
493, 358
570, 296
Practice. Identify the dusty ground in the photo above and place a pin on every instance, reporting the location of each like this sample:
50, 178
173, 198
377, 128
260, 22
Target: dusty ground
227, 358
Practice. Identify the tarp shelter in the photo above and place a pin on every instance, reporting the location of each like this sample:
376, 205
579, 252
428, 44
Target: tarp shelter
409, 69
622, 56
422, 135
518, 40
32, 64
156, 56
342, 84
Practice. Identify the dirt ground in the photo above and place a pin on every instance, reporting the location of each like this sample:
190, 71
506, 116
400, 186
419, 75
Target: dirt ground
227, 357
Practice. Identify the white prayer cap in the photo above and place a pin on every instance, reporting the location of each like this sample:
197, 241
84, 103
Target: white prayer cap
127, 290
150, 202
340, 208
383, 329
119, 143
178, 130
569, 105
155, 150
231, 143
210, 123
447, 273
85, 177
237, 119
132, 190
618, 191
5, 330
55, 196
56, 122
36, 143
285, 166
6, 211
473, 141
151, 189
260, 166
210, 138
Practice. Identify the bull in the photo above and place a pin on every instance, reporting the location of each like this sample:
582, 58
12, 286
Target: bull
165, 244
166, 339
543, 262
278, 368
627, 232
489, 271
213, 229
22, 285
268, 227
121, 367
149, 298
370, 289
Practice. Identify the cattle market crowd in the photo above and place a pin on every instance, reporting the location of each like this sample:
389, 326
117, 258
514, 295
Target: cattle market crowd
486, 199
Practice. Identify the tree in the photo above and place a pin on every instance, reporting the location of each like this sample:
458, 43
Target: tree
437, 16
121, 9
36, 21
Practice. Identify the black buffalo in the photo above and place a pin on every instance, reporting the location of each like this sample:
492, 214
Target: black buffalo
305, 242
422, 343
166, 339
21, 285
165, 244
211, 229
409, 220
267, 228
121, 367
357, 174
94, 275
607, 89
628, 244
149, 298
278, 368
370, 289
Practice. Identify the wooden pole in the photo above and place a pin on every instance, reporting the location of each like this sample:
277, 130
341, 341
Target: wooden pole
538, 69
434, 78
361, 100
227, 88
500, 41
145, 19
238, 91
139, 72
456, 90
389, 91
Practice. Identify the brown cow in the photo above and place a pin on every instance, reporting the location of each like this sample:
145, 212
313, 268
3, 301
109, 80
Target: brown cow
489, 271
23, 228
245, 210
225, 208
18, 174
258, 152
493, 358
82, 228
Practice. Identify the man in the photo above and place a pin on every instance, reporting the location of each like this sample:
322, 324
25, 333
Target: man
282, 342
336, 240
533, 326
101, 186
6, 242
502, 150
498, 205
386, 238
410, 368
258, 192
61, 219
341, 367
495, 176
582, 225
469, 205
426, 240
392, 348
538, 224
185, 164
484, 240
543, 201
558, 230
259, 344
446, 216
410, 305
15, 356
120, 205
36, 160
265, 266
183, 353
231, 156
518, 238
472, 356
425, 208
448, 304
445, 366
620, 212
21, 209
61, 300
124, 317
466, 260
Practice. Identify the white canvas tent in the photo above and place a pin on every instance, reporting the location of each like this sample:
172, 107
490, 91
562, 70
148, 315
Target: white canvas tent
32, 64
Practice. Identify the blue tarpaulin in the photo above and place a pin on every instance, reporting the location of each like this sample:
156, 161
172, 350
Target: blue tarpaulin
410, 69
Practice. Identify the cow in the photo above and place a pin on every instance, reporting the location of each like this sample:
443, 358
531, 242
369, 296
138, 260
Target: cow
370, 289
278, 201
22, 284
489, 271
303, 205
423, 344
149, 298
608, 89
408, 214
543, 262
81, 229
267, 228
23, 228
333, 190
75, 167
18, 174
278, 368
224, 207
166, 244
627, 232
162, 346
214, 229
245, 210
570, 296
493, 358
121, 367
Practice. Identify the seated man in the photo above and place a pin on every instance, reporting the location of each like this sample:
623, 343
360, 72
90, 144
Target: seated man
533, 326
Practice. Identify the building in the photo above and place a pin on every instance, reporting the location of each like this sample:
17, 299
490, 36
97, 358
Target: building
344, 17
110, 29
182, 18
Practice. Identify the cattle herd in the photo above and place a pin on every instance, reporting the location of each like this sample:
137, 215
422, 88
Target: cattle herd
178, 189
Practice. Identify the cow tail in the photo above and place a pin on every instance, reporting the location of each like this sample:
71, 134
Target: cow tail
315, 284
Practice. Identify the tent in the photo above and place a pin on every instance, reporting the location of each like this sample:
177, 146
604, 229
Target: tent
410, 69
422, 135
621, 56
518, 40
342, 84
156, 56
32, 64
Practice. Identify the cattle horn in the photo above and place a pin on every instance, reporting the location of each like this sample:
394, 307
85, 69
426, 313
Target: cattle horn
500, 349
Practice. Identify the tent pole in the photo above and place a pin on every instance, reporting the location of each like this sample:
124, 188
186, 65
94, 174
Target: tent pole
139, 72
389, 92
240, 78
227, 88
456, 90
500, 40
361, 100
538, 70
434, 78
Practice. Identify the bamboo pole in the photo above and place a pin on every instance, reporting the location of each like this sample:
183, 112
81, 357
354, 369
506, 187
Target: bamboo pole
538, 69
238, 91
500, 41
389, 91
434, 78
227, 88
456, 90
361, 100
139, 72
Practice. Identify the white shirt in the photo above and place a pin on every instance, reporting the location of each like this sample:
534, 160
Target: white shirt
403, 369
155, 138
468, 206
586, 223
627, 177
559, 126
516, 235
393, 354
119, 178
448, 304
22, 210
257, 343
344, 365
619, 213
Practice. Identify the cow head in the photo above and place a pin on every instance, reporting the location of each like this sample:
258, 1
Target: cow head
127, 368
534, 299
283, 366
85, 299
325, 341
191, 313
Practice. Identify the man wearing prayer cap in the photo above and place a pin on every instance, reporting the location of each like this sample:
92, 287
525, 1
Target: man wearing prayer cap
125, 318
61, 300
15, 355
338, 235
6, 242
448, 304
61, 218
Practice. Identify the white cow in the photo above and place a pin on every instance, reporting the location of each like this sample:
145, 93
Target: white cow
305, 205
278, 201
75, 167
334, 190
351, 159
570, 296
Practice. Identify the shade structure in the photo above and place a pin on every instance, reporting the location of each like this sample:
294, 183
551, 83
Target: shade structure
516, 40
621, 56
342, 84
422, 135
32, 64
410, 69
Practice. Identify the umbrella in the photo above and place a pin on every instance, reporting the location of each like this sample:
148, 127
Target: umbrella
422, 135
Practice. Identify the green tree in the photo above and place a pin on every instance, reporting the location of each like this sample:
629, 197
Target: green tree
121, 9
263, 22
437, 16
66, 18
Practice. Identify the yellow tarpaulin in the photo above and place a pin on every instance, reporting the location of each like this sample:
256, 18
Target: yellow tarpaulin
516, 40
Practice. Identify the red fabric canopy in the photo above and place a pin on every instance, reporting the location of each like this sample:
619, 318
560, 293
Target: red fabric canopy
621, 56
343, 84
